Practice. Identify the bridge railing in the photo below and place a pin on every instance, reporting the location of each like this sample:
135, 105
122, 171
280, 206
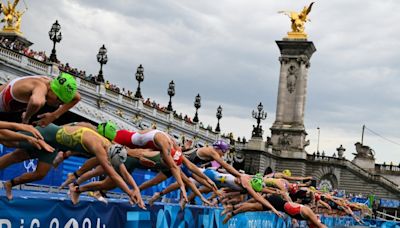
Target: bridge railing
354, 167
387, 169
97, 90
23, 61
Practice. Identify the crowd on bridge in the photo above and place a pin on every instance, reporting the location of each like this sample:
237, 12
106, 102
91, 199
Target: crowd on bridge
116, 153
19, 47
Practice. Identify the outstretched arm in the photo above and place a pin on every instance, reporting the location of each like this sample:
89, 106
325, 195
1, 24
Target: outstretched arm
101, 155
245, 183
128, 178
225, 165
199, 174
48, 118
36, 101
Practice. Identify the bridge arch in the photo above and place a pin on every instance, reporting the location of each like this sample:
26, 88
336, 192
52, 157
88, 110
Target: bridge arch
327, 177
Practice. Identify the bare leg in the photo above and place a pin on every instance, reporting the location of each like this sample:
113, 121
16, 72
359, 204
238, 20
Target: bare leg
160, 177
88, 165
195, 190
307, 213
16, 156
243, 208
157, 195
202, 190
75, 191
41, 171
90, 174
61, 156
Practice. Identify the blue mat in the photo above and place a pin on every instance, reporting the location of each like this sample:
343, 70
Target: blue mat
44, 209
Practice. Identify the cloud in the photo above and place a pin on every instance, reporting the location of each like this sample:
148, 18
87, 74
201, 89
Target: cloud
226, 51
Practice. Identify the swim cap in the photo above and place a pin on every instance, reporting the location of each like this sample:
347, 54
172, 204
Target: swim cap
176, 156
64, 86
312, 188
107, 129
256, 182
287, 172
221, 145
117, 154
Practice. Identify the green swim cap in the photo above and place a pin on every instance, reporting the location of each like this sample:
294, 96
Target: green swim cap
64, 86
256, 182
108, 130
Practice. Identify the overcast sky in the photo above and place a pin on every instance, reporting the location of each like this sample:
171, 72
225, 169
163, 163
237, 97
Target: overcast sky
226, 51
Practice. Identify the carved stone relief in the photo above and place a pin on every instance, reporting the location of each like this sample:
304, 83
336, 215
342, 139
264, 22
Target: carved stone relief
285, 140
291, 78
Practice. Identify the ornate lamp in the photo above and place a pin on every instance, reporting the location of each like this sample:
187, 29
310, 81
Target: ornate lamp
139, 77
219, 116
55, 36
260, 115
102, 59
171, 93
197, 105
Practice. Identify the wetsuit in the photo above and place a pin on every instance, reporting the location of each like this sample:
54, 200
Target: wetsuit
136, 140
282, 205
8, 102
58, 138
270, 182
223, 180
133, 163
193, 156
302, 195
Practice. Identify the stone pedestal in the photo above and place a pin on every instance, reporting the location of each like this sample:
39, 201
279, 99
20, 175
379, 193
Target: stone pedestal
288, 132
365, 163
364, 157
256, 143
15, 36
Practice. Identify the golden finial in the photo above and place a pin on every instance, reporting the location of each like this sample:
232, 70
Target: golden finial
12, 17
298, 21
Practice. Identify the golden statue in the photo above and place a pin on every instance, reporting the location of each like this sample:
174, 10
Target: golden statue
298, 20
12, 17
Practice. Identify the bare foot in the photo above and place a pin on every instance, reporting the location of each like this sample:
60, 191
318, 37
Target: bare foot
97, 195
227, 217
227, 209
59, 158
154, 198
182, 203
8, 188
69, 180
73, 194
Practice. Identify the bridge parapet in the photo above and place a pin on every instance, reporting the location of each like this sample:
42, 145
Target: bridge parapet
120, 108
355, 168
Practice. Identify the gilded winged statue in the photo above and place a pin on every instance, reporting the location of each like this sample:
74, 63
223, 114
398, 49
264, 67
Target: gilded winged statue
298, 19
12, 17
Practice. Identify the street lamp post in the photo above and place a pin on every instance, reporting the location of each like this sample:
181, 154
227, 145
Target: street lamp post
318, 139
102, 59
55, 36
260, 115
219, 116
171, 93
197, 105
139, 77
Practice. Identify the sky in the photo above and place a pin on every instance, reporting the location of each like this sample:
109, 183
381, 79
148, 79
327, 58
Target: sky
225, 50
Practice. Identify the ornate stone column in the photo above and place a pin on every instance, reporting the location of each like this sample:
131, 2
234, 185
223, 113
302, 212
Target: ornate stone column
288, 131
